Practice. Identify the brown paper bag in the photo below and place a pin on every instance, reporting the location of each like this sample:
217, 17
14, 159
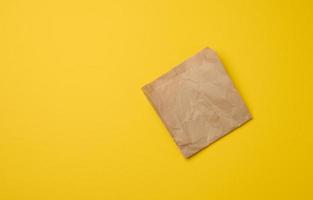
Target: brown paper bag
197, 102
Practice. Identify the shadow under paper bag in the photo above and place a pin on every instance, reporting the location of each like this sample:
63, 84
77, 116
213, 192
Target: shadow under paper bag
197, 102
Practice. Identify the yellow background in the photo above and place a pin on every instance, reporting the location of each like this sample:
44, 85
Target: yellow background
74, 123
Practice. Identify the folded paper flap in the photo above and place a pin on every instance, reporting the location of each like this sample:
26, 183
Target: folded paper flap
197, 102
178, 69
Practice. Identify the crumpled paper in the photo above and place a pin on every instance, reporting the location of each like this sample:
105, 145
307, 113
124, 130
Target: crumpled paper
197, 102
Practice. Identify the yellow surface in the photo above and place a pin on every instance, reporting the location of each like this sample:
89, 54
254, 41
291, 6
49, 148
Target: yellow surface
74, 123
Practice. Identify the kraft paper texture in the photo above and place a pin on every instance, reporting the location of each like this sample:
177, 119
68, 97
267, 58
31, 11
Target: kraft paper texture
197, 102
